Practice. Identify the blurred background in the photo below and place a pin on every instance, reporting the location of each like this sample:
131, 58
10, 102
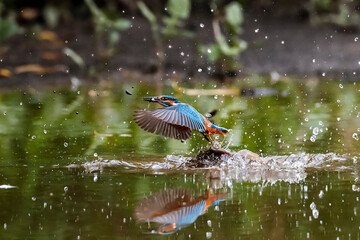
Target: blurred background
176, 39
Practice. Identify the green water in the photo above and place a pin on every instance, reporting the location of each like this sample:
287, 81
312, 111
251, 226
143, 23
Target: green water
43, 131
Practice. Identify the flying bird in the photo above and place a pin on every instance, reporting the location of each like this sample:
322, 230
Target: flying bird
175, 120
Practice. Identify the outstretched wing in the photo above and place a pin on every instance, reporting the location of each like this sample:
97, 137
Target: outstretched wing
147, 121
182, 115
175, 121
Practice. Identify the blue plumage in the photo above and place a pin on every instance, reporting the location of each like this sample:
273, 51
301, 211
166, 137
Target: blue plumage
176, 120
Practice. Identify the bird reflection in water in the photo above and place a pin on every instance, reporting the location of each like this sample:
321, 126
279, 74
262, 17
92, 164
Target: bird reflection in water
174, 208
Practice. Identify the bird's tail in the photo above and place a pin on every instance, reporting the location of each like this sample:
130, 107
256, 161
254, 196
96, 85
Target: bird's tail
220, 130
224, 130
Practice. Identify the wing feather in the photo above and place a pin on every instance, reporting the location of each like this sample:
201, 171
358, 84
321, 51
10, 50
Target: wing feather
175, 121
151, 123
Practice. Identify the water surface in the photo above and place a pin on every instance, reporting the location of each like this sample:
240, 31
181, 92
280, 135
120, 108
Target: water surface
43, 132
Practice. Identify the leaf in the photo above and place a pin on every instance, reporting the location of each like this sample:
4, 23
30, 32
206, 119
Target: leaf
234, 14
74, 56
51, 15
114, 37
94, 9
214, 54
8, 27
147, 13
229, 51
121, 24
224, 47
179, 8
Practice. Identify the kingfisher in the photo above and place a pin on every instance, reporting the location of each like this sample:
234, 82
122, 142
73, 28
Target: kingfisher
175, 208
176, 120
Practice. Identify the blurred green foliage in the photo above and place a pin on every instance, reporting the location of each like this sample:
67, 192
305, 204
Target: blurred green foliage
343, 13
228, 46
168, 20
167, 26
107, 24
8, 24
105, 18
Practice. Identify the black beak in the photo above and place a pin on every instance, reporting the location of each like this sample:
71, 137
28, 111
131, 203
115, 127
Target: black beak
150, 99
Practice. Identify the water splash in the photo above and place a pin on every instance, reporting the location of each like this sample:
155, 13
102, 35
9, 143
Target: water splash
227, 165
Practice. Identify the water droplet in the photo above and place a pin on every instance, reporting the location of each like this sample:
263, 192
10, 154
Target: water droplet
315, 213
316, 131
282, 42
199, 70
341, 86
321, 194
45, 132
216, 97
209, 223
257, 30
209, 50
313, 138
338, 119
355, 136
202, 25
66, 144
95, 177
66, 188
313, 60
95, 154
208, 235
356, 39
33, 198
355, 188
33, 137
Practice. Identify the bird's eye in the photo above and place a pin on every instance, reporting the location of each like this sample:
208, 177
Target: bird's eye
165, 98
